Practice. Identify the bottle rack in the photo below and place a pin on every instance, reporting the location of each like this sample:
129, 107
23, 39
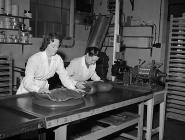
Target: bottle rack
14, 31
176, 70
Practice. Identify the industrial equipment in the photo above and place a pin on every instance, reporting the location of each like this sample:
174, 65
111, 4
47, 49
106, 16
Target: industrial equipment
148, 75
121, 71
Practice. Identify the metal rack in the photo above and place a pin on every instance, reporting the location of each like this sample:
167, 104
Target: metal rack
18, 29
148, 36
176, 69
6, 75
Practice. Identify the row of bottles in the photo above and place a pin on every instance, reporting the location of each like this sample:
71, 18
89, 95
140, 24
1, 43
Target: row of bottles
13, 23
21, 37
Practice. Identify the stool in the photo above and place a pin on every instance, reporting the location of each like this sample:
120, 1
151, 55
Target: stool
158, 98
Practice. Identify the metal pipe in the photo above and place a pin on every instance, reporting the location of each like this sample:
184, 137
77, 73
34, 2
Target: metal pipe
71, 22
116, 46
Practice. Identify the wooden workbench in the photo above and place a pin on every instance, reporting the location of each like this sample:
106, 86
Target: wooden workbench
21, 106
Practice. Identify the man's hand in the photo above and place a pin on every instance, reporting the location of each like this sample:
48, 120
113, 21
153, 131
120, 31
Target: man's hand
80, 91
80, 85
43, 90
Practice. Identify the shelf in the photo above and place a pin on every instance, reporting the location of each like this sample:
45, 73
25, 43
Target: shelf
138, 36
22, 44
137, 26
16, 43
132, 36
14, 29
108, 46
134, 47
14, 16
112, 25
9, 29
17, 29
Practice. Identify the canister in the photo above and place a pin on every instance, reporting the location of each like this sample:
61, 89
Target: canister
2, 6
24, 37
14, 39
9, 39
15, 22
7, 22
27, 13
1, 22
8, 7
2, 36
15, 10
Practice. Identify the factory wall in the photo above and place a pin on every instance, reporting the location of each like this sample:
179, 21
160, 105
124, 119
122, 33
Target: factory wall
147, 10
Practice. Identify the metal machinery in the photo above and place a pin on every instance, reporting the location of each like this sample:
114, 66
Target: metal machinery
121, 71
149, 75
146, 76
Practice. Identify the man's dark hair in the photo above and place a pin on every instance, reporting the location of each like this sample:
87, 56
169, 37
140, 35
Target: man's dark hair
92, 51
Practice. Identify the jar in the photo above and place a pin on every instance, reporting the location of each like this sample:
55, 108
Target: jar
24, 37
14, 39
22, 27
30, 38
2, 36
14, 23
7, 23
9, 39
1, 23
27, 13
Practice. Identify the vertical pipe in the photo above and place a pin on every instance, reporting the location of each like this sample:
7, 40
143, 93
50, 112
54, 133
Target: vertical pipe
71, 22
116, 32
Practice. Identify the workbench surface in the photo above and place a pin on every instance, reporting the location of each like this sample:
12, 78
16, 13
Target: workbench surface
23, 112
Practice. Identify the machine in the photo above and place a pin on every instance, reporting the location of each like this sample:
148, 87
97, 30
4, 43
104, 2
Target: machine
148, 75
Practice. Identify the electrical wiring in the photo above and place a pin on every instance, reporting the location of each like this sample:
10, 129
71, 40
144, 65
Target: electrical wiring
159, 31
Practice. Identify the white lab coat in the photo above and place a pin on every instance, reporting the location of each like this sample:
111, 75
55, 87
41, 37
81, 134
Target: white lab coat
78, 70
38, 71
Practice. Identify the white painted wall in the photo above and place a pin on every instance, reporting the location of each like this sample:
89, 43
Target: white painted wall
148, 10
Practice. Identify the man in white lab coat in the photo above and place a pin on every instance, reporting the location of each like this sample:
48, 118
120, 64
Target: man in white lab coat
83, 68
43, 65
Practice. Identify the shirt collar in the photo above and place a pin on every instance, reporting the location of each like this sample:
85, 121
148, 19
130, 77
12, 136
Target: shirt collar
84, 64
83, 61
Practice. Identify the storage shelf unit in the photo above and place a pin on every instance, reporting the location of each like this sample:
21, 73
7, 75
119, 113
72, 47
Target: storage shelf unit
16, 43
6, 75
176, 70
17, 29
14, 16
144, 28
